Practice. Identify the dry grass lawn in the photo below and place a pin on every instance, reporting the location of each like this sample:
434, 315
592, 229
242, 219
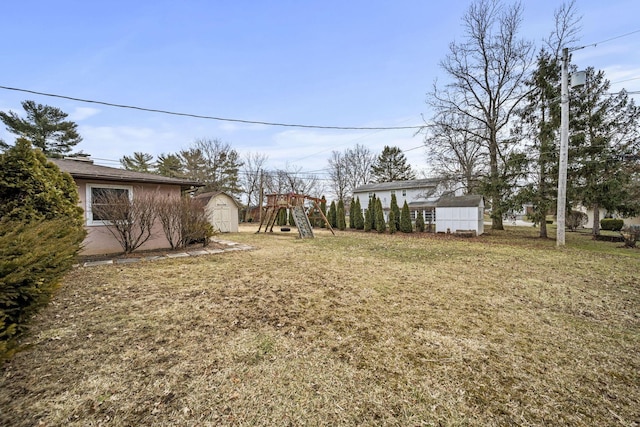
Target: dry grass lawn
357, 329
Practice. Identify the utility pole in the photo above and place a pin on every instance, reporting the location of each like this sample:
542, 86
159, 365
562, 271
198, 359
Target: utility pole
564, 149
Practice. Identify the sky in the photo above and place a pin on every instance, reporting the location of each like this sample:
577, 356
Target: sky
327, 63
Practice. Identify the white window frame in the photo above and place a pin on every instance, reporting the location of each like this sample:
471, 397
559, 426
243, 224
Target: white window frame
89, 201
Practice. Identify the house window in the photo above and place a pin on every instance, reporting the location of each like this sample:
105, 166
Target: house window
393, 192
404, 193
99, 195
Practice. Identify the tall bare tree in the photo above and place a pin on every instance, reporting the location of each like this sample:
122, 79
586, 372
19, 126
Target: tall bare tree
486, 72
455, 153
252, 174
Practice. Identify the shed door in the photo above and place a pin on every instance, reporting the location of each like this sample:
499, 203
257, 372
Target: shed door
222, 217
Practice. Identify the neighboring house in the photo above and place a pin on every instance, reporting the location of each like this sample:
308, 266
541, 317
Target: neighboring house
93, 181
603, 214
221, 210
461, 213
420, 194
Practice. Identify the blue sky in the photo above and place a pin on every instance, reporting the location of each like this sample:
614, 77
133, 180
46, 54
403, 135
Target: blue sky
330, 63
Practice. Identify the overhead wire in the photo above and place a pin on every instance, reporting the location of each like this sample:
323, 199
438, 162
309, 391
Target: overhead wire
200, 116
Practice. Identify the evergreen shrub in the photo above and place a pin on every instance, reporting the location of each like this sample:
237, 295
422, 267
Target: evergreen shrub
613, 224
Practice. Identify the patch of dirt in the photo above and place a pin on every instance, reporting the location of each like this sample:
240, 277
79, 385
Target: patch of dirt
150, 252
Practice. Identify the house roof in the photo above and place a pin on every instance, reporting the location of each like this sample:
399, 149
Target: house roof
85, 169
460, 201
206, 197
398, 185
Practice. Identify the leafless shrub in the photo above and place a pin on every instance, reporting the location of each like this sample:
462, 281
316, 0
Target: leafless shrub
130, 220
183, 221
576, 219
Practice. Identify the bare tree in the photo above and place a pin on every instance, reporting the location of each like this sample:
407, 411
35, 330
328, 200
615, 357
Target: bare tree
293, 180
350, 169
339, 174
252, 172
487, 72
457, 156
130, 220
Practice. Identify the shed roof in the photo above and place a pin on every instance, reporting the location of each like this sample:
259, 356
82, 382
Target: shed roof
399, 185
206, 197
468, 201
85, 169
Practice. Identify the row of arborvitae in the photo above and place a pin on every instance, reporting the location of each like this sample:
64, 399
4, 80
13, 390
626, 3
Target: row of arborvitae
373, 218
41, 230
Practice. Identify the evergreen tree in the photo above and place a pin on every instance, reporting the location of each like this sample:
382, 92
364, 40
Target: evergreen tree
139, 162
323, 208
45, 128
419, 221
41, 230
372, 208
392, 222
396, 211
391, 165
341, 221
605, 143
367, 219
333, 215
357, 213
352, 215
282, 217
540, 122
381, 226
405, 219
169, 165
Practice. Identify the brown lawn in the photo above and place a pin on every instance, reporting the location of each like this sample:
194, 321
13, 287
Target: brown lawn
356, 329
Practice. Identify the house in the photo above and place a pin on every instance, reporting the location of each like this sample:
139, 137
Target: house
420, 195
94, 180
603, 213
460, 213
221, 210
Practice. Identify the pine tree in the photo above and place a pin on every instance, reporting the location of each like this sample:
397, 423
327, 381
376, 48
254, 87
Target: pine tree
391, 165
139, 162
405, 219
45, 128
396, 211
381, 226
419, 221
169, 165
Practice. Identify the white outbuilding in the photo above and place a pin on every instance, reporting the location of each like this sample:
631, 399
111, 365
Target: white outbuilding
459, 214
221, 210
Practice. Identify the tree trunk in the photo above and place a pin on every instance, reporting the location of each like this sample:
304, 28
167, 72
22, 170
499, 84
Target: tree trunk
494, 179
595, 230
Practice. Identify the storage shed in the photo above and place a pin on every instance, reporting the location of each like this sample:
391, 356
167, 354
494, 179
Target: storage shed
462, 213
221, 210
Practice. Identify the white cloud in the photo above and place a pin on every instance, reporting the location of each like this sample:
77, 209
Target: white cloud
81, 113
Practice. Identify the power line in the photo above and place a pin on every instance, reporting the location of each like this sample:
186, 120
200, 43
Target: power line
604, 41
199, 116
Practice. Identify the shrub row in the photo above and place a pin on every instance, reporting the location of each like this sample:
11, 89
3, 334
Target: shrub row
613, 224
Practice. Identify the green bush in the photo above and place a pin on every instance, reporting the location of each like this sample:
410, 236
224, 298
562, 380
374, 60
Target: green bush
34, 255
613, 224
405, 219
419, 222
41, 230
